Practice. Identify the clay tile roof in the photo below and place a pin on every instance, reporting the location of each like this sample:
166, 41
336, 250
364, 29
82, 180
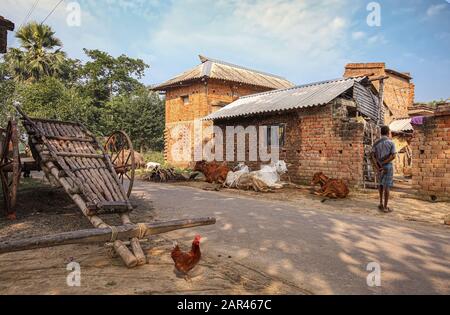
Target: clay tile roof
216, 69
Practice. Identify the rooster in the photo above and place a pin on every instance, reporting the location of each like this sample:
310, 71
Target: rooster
185, 262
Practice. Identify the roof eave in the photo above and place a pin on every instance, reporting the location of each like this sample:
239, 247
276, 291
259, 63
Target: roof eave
399, 74
6, 24
165, 87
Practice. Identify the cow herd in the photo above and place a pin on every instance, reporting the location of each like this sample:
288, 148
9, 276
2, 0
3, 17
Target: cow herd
266, 179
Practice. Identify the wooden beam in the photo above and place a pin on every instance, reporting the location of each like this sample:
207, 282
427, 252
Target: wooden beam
103, 235
381, 78
82, 155
108, 207
381, 102
70, 138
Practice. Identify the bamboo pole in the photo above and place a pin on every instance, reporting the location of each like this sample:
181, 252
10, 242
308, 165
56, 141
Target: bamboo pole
95, 220
102, 235
138, 252
15, 164
127, 256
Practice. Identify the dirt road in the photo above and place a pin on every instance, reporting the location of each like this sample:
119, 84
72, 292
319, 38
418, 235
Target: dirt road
258, 246
309, 244
44, 210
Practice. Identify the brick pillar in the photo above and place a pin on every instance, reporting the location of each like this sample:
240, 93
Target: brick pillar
431, 156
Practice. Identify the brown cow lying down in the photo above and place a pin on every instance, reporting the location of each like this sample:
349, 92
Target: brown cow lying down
124, 154
331, 188
213, 171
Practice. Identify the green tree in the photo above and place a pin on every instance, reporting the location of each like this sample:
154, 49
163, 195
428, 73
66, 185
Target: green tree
51, 99
104, 94
39, 56
7, 88
141, 115
105, 76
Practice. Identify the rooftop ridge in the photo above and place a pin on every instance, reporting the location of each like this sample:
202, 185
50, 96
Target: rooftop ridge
204, 59
298, 87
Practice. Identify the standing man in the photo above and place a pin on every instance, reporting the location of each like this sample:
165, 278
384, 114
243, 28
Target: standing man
383, 154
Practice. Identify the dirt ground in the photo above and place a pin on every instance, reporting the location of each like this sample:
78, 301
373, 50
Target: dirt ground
405, 204
44, 210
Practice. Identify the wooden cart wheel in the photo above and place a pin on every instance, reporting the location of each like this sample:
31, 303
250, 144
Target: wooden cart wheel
10, 168
120, 149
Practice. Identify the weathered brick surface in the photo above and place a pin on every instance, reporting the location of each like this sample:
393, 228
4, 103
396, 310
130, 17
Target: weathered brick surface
205, 97
398, 90
315, 142
431, 152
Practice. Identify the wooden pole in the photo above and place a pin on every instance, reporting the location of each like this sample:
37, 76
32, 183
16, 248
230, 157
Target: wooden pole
138, 252
127, 256
381, 101
103, 235
15, 165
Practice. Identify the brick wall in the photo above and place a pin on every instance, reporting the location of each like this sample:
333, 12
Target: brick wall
315, 142
431, 157
205, 97
398, 90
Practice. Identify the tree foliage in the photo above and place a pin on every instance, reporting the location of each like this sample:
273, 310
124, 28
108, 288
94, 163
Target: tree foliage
104, 93
141, 116
40, 54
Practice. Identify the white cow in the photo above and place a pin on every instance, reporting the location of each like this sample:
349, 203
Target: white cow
271, 174
150, 166
265, 179
233, 177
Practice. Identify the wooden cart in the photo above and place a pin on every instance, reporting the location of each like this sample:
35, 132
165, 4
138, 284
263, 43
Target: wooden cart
92, 175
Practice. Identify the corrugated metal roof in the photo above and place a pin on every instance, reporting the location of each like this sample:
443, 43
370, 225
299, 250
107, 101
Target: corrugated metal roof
401, 125
368, 102
216, 69
314, 94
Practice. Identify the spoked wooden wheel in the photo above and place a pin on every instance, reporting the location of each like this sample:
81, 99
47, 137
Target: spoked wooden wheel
10, 168
120, 149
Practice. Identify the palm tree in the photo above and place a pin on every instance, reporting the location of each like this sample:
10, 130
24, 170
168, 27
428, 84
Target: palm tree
40, 53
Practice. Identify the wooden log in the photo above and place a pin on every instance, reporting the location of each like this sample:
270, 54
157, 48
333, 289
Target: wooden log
43, 120
102, 235
85, 155
69, 188
138, 252
15, 164
383, 77
108, 207
381, 103
125, 217
127, 243
127, 256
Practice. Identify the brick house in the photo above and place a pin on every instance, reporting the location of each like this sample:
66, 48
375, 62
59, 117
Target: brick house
398, 87
201, 91
322, 127
5, 26
431, 149
399, 99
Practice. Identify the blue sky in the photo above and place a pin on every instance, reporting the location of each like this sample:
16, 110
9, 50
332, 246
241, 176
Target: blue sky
302, 40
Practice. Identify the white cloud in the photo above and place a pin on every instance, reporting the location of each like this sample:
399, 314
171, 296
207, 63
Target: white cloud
358, 35
256, 33
92, 33
377, 39
435, 9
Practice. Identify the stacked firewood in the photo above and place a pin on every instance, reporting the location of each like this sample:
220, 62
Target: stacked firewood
162, 175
